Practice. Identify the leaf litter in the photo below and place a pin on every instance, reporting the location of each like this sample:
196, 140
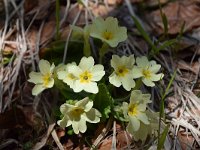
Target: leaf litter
182, 102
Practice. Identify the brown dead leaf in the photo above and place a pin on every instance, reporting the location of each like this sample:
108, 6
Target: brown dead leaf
186, 141
106, 144
177, 14
17, 117
29, 5
150, 3
73, 14
194, 67
47, 31
123, 141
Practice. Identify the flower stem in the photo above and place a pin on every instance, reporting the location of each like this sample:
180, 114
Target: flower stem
102, 51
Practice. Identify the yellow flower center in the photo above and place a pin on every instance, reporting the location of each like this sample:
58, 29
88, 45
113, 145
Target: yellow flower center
71, 76
146, 73
85, 77
122, 71
46, 79
132, 109
108, 35
76, 112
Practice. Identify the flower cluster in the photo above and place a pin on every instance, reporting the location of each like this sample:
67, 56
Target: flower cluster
127, 71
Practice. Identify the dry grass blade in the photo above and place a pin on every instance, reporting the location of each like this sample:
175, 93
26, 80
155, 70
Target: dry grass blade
55, 137
43, 141
103, 133
114, 140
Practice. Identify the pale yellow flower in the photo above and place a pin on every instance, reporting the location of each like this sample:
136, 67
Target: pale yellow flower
78, 114
44, 78
135, 110
87, 74
123, 74
108, 31
146, 130
147, 70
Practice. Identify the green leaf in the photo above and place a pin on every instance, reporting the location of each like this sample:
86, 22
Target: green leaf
165, 23
143, 33
166, 44
67, 92
103, 101
162, 138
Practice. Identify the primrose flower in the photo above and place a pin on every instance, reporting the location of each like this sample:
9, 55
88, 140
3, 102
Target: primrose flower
78, 114
122, 74
147, 70
147, 129
87, 74
108, 31
135, 110
44, 78
67, 77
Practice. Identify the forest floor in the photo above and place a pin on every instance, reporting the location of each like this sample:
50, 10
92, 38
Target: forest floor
28, 33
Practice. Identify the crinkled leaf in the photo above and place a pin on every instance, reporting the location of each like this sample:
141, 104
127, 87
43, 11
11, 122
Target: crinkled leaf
103, 101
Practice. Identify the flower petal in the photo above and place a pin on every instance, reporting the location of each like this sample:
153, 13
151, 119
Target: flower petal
97, 72
91, 87
86, 63
35, 77
37, 89
97, 27
93, 116
135, 96
115, 62
85, 103
115, 80
82, 125
65, 108
128, 83
125, 109
143, 117
142, 61
129, 61
78, 87
75, 70
157, 77
134, 123
121, 34
65, 122
155, 68
62, 74
50, 83
137, 72
75, 126
148, 82
44, 66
